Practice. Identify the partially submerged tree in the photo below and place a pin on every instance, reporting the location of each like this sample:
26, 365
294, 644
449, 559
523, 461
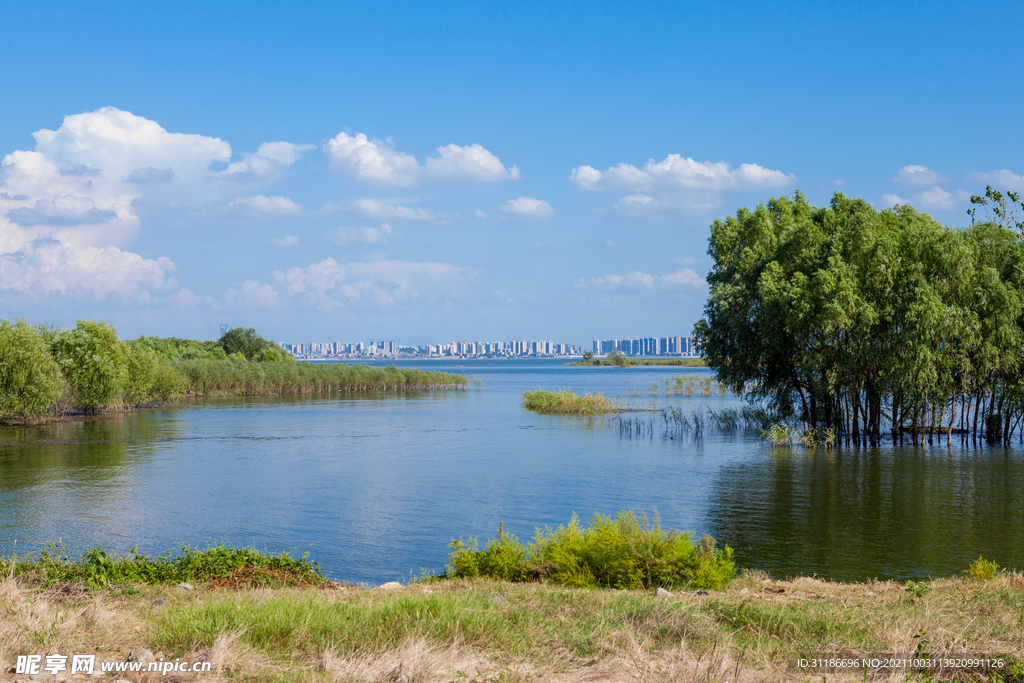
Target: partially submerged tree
846, 317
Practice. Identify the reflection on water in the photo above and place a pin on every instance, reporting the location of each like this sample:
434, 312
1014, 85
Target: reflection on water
375, 486
885, 512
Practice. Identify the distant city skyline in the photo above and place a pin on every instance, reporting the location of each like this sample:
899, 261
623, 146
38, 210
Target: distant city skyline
453, 171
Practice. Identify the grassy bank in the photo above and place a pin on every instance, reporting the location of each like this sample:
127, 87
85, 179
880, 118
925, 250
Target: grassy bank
482, 630
567, 402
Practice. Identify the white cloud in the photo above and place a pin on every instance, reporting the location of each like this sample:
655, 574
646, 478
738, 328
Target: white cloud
49, 266
1000, 180
261, 205
384, 283
377, 162
378, 210
839, 183
641, 280
676, 184
269, 162
677, 172
67, 207
186, 298
251, 296
918, 176
480, 214
527, 207
937, 198
688, 261
890, 200
366, 235
286, 241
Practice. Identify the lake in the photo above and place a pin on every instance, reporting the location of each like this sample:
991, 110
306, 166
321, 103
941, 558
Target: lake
375, 487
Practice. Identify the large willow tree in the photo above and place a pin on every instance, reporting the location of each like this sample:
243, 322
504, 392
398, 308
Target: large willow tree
862, 321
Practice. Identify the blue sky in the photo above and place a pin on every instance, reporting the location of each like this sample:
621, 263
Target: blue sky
463, 170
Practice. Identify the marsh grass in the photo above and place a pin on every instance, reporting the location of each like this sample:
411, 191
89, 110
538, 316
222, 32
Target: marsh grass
568, 402
236, 377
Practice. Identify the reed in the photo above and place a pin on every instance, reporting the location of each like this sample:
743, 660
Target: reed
230, 377
568, 402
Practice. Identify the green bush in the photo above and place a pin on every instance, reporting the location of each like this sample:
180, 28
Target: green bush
626, 552
982, 569
226, 565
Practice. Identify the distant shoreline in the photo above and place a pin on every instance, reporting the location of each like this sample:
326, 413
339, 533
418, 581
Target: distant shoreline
679, 362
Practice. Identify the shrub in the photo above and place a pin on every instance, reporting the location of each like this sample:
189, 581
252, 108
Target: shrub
627, 552
982, 569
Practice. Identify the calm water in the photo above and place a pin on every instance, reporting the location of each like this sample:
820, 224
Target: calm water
374, 487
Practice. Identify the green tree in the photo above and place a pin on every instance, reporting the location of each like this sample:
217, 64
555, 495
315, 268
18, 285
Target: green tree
244, 340
30, 379
93, 361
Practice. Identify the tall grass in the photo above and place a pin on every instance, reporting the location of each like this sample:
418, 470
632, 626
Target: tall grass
627, 552
568, 402
211, 377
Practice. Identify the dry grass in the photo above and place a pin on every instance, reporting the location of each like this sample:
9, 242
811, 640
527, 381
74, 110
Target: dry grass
457, 631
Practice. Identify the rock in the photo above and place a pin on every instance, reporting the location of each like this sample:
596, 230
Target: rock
500, 599
662, 593
389, 586
869, 594
185, 586
159, 656
158, 602
798, 592
141, 655
744, 591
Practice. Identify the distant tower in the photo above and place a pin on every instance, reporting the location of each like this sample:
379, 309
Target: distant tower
223, 329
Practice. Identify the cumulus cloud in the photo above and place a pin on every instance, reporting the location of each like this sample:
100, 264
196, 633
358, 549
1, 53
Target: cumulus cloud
377, 162
678, 172
261, 205
366, 234
252, 295
919, 176
269, 162
937, 198
67, 207
60, 210
641, 280
48, 266
676, 184
890, 200
1000, 180
187, 299
286, 241
527, 207
329, 283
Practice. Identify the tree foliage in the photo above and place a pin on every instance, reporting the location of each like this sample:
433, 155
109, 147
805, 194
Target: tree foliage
244, 340
850, 318
93, 360
30, 379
